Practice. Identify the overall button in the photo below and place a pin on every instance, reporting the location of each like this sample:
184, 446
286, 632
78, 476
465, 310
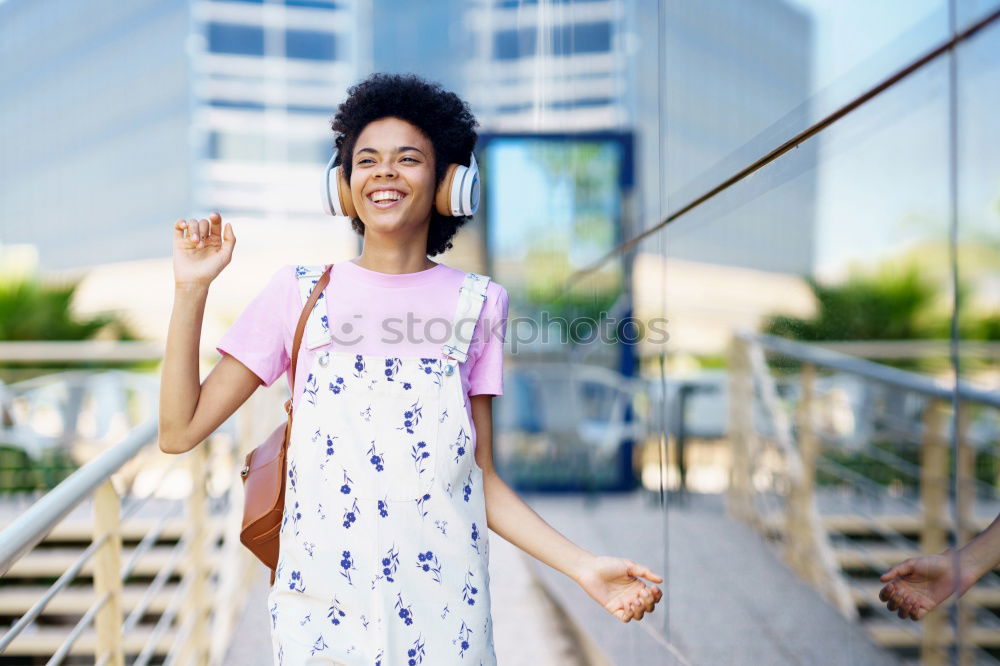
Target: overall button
324, 360
449, 369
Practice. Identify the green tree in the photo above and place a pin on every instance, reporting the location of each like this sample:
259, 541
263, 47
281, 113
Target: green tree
887, 304
33, 310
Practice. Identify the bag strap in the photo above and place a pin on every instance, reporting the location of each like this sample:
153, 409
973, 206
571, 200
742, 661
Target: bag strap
297, 340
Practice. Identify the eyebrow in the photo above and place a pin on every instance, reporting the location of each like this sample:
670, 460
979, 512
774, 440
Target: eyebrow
401, 149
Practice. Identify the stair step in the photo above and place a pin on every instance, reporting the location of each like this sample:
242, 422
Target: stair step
44, 641
53, 562
980, 595
17, 600
132, 529
906, 633
858, 525
877, 556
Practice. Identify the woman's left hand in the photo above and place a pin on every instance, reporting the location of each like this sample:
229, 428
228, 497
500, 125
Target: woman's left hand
613, 582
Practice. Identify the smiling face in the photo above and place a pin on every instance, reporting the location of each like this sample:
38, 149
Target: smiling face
392, 175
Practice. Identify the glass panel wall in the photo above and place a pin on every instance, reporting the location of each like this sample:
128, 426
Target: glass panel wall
752, 253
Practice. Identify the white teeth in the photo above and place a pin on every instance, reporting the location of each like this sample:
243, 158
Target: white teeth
385, 195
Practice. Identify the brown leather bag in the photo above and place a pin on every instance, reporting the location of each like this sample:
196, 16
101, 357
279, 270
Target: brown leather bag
264, 468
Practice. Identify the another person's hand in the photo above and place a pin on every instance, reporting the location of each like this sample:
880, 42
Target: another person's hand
916, 587
613, 582
200, 250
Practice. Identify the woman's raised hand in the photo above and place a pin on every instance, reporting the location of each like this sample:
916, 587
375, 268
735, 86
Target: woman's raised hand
200, 249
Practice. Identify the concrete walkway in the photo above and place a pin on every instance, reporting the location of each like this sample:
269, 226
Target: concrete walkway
527, 627
727, 598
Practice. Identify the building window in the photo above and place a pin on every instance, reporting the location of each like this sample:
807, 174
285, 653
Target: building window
309, 108
310, 45
235, 146
581, 38
309, 151
318, 4
581, 103
231, 104
566, 40
238, 39
512, 44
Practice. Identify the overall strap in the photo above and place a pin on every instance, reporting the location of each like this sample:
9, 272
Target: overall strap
471, 296
318, 325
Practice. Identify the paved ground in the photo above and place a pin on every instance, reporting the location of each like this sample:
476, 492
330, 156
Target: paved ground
528, 628
728, 599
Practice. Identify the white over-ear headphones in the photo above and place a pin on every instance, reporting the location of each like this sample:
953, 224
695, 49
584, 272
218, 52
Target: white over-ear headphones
456, 196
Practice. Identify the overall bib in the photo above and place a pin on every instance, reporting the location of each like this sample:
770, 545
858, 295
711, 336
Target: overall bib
384, 555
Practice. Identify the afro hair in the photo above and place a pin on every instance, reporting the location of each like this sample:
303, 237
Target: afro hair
441, 115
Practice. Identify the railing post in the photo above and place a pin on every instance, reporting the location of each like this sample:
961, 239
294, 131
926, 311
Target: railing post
740, 431
966, 493
799, 549
933, 537
196, 605
107, 574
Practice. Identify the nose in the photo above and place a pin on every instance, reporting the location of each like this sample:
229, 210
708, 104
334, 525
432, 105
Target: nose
385, 170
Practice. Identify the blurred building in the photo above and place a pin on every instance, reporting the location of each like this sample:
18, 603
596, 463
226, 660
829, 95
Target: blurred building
549, 66
118, 118
590, 65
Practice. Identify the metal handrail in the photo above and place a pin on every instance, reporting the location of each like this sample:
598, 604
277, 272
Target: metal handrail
161, 626
74, 634
50, 593
33, 525
883, 374
94, 480
157, 584
799, 521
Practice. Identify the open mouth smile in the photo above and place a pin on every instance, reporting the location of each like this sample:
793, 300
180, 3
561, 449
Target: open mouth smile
386, 198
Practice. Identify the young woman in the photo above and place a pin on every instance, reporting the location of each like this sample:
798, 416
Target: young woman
391, 483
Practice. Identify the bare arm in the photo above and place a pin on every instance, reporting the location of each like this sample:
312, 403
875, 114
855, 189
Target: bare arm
613, 582
509, 516
982, 553
189, 410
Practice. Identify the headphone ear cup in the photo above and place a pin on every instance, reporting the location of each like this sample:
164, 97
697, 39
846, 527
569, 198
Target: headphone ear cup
442, 198
344, 194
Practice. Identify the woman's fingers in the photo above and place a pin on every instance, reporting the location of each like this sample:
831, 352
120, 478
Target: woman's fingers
215, 226
898, 571
635, 569
625, 614
206, 232
638, 603
228, 241
649, 601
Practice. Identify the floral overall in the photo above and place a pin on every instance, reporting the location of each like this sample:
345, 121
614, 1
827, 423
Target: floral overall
384, 543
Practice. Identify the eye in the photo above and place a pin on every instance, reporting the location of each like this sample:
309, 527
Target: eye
365, 159
411, 159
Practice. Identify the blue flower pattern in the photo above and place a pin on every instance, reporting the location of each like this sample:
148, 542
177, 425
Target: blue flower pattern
383, 441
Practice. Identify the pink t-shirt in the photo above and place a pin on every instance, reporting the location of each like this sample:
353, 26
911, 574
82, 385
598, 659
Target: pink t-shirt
372, 313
